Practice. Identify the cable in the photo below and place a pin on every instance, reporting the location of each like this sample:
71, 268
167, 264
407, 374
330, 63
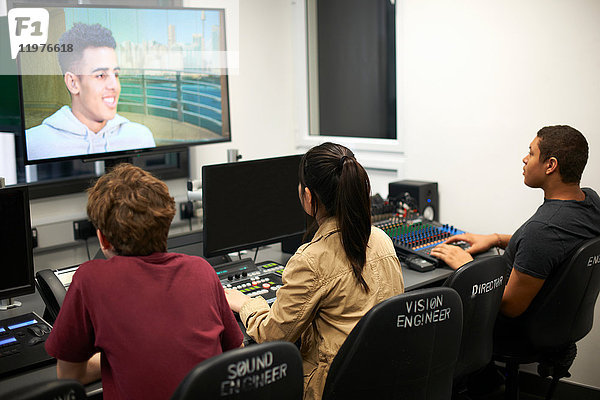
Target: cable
255, 254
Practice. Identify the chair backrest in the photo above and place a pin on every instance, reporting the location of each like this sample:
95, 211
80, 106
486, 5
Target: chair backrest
54, 389
271, 370
480, 285
404, 347
563, 310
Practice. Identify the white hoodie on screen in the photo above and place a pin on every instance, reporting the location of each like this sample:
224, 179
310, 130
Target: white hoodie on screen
63, 135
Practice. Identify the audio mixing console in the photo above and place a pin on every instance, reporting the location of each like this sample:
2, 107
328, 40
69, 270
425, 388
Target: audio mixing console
414, 239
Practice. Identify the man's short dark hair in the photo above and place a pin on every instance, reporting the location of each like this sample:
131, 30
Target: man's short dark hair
568, 146
81, 36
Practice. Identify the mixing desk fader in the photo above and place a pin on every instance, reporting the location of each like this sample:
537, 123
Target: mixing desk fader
414, 239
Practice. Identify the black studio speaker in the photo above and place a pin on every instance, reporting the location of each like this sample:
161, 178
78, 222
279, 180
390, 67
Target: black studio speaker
424, 194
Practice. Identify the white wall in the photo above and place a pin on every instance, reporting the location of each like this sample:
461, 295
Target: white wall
8, 166
261, 96
480, 78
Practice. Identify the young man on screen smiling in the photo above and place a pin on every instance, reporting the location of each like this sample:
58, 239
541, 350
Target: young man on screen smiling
91, 125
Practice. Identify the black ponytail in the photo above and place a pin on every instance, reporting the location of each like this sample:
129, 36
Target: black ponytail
342, 185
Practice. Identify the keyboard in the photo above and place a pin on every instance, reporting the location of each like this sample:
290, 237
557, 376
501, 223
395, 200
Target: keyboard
65, 275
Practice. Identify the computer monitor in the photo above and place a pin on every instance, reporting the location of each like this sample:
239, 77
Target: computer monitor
250, 203
16, 271
155, 76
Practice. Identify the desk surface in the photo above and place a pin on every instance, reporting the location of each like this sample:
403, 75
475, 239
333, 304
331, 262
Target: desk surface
33, 302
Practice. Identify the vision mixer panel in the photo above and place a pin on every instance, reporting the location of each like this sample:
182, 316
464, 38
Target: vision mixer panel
271, 266
263, 279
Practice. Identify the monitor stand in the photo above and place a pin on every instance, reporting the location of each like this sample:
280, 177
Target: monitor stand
7, 304
110, 163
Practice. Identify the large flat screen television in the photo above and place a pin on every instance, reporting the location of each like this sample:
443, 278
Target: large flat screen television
123, 81
250, 203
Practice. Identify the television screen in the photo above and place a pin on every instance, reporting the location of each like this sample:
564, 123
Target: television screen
120, 80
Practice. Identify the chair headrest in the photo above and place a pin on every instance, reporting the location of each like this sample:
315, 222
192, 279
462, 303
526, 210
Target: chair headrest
263, 371
480, 285
479, 277
398, 346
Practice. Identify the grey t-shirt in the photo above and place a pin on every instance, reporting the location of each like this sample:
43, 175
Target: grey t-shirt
551, 235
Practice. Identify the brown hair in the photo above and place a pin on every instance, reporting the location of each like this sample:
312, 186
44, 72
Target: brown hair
341, 184
133, 209
568, 146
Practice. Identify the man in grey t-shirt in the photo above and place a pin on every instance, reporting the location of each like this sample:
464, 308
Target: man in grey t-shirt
569, 216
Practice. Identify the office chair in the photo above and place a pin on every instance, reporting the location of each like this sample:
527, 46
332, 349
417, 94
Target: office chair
480, 285
271, 370
54, 389
561, 314
404, 347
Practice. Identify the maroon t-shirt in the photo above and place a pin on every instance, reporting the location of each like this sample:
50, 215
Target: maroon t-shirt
153, 318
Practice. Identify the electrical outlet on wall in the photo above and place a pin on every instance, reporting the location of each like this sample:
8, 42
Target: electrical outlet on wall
34, 237
186, 210
83, 229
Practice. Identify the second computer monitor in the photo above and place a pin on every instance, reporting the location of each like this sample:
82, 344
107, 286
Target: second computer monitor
251, 203
16, 266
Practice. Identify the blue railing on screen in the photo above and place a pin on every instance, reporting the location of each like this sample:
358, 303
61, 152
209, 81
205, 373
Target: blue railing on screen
173, 94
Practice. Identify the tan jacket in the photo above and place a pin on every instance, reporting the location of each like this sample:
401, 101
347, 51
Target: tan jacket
321, 299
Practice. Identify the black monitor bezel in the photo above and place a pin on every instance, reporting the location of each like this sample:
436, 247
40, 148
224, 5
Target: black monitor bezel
123, 153
245, 246
29, 287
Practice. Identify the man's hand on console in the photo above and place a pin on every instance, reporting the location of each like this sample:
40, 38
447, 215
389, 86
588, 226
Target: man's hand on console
236, 299
478, 243
452, 255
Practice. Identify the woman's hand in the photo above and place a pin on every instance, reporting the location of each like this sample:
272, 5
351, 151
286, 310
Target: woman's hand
236, 299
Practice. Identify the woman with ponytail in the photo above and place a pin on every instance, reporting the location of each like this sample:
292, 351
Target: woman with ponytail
347, 268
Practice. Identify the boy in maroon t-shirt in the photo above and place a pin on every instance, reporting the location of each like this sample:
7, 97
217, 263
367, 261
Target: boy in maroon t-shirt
142, 318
